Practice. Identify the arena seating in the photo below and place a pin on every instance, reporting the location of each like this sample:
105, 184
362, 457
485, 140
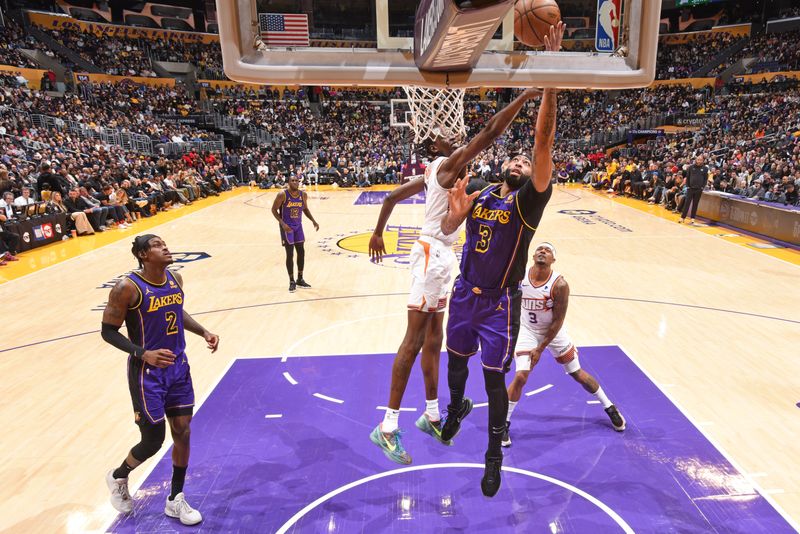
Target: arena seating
144, 139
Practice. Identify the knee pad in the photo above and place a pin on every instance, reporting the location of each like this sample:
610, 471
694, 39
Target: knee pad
570, 361
152, 439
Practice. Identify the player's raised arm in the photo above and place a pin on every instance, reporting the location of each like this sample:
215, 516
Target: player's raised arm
407, 190
486, 137
546, 121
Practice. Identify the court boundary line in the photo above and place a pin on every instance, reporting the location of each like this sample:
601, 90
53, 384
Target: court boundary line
162, 452
697, 231
292, 521
757, 487
158, 457
122, 237
405, 293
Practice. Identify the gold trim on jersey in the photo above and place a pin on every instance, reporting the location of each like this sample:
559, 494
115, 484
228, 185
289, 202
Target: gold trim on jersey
153, 283
139, 290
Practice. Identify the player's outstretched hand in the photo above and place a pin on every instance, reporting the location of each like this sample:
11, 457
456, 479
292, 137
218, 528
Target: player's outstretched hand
159, 357
552, 42
376, 248
460, 202
316, 226
532, 92
212, 340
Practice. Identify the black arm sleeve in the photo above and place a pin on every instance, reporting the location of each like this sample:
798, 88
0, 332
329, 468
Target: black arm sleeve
112, 336
531, 203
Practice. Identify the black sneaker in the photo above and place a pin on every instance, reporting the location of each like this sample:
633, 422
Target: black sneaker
452, 424
302, 283
616, 418
292, 287
490, 483
505, 440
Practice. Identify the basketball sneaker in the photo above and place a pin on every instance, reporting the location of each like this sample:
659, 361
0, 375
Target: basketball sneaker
292, 287
391, 445
302, 283
432, 428
180, 509
616, 418
452, 425
505, 440
490, 483
120, 497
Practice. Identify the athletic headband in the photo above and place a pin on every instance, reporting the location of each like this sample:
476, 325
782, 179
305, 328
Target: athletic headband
140, 244
548, 246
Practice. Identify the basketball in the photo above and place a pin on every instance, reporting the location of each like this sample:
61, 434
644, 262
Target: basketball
532, 20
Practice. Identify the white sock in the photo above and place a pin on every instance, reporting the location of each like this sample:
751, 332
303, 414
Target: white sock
511, 406
432, 409
601, 396
390, 420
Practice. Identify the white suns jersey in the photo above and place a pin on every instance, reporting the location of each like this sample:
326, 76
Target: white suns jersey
537, 303
436, 205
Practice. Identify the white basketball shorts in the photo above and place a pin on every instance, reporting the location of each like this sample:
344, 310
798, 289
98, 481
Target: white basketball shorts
561, 348
432, 265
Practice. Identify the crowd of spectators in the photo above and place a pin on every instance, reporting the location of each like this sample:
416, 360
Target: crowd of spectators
114, 55
751, 144
749, 135
681, 60
773, 52
12, 39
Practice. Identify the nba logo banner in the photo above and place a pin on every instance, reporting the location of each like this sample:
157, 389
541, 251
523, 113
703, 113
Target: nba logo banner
43, 232
609, 14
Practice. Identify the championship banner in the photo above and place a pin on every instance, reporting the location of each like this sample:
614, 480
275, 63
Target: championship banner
55, 22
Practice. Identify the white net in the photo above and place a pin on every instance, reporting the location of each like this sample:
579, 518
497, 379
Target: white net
435, 112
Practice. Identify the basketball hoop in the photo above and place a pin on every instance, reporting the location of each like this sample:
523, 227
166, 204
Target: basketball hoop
435, 112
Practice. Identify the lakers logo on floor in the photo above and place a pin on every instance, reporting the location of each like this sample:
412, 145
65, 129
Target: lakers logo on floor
398, 241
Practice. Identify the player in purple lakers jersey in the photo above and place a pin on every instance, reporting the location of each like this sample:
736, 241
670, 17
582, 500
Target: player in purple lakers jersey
485, 305
288, 209
150, 302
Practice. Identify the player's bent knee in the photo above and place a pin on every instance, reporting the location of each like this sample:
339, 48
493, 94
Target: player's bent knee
521, 377
573, 368
152, 439
569, 360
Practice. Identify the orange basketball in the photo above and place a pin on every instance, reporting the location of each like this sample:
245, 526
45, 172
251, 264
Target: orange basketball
533, 18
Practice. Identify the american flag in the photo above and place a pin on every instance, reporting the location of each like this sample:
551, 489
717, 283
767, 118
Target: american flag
278, 29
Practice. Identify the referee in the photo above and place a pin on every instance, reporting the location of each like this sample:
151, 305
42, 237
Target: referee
696, 179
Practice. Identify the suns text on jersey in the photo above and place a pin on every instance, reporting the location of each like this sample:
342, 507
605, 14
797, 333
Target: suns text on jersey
536, 304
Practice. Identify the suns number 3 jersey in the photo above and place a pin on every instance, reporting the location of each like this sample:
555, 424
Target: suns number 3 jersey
436, 205
499, 233
537, 303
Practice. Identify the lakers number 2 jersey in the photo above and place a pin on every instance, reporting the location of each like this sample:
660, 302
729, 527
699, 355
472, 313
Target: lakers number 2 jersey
156, 320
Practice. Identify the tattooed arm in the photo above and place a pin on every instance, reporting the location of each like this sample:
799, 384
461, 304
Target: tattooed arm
546, 122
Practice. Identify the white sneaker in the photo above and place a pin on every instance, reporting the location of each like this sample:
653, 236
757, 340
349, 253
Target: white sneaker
120, 498
180, 509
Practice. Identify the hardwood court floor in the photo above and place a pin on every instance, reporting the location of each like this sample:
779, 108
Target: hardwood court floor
714, 324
